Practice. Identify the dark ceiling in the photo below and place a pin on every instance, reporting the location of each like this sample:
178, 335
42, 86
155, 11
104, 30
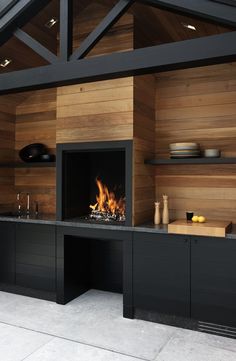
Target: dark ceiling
155, 25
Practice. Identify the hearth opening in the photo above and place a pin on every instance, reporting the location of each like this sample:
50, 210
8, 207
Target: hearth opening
95, 182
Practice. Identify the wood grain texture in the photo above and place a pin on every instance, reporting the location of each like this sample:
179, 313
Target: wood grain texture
85, 112
7, 138
118, 38
198, 105
100, 110
209, 228
95, 111
36, 123
144, 148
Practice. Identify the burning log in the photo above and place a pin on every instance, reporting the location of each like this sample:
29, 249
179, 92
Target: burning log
108, 207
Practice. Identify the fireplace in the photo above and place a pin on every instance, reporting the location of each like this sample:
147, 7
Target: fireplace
94, 182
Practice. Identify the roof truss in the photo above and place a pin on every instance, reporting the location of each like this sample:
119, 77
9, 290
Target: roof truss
18, 15
204, 9
66, 69
112, 17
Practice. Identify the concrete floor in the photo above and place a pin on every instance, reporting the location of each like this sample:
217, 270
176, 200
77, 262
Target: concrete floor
91, 328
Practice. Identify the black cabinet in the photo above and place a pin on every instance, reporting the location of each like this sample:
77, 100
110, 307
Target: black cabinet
213, 280
36, 256
161, 277
193, 277
7, 252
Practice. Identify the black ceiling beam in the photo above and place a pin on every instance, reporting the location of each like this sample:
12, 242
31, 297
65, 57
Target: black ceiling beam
35, 46
112, 17
180, 55
18, 15
227, 2
6, 5
66, 29
204, 9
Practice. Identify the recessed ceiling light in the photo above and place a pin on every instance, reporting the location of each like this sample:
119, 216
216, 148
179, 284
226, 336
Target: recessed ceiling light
51, 23
5, 62
189, 26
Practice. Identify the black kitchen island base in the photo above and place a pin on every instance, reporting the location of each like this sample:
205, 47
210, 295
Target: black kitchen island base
184, 281
94, 258
29, 292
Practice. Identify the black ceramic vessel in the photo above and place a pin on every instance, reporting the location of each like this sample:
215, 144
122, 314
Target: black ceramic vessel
33, 152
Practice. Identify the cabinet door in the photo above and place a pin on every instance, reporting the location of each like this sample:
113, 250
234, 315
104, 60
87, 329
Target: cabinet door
35, 256
213, 288
161, 273
7, 252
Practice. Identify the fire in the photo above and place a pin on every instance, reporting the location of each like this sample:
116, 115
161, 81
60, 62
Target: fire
107, 207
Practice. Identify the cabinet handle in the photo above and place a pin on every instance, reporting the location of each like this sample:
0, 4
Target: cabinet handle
195, 241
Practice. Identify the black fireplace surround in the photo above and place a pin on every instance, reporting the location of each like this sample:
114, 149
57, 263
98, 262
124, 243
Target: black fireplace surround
80, 165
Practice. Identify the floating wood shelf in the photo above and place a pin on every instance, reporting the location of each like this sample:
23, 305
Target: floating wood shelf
191, 161
28, 165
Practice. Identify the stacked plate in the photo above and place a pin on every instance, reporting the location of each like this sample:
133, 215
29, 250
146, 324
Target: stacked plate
184, 150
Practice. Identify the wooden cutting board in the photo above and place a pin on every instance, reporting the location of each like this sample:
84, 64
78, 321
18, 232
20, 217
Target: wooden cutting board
209, 228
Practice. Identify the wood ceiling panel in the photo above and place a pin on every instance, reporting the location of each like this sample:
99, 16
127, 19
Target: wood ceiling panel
21, 55
37, 29
152, 26
162, 26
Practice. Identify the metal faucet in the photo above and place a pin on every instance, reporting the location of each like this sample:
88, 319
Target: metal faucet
19, 213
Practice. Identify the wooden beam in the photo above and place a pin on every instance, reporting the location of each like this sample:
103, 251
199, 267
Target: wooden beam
36, 46
204, 9
209, 50
66, 29
112, 17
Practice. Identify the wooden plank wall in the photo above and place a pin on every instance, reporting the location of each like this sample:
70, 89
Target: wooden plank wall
144, 148
85, 112
198, 105
119, 37
100, 110
7, 134
95, 111
36, 123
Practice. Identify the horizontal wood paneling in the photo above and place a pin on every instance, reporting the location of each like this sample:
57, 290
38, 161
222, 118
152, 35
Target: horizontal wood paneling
144, 148
36, 123
85, 112
7, 139
100, 110
95, 111
198, 105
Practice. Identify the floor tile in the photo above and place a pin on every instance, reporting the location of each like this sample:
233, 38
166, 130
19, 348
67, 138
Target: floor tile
178, 349
17, 343
207, 339
94, 318
63, 350
7, 298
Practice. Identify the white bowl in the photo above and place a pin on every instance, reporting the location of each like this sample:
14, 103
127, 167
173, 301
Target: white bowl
212, 153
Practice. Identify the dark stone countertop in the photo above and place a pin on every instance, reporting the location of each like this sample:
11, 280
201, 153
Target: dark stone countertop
41, 219
49, 219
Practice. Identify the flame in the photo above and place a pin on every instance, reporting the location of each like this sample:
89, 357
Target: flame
107, 201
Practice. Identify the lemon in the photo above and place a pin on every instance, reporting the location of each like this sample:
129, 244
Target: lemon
195, 219
201, 219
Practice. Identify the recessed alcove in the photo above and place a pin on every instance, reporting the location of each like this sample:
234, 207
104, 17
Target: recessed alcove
93, 263
95, 182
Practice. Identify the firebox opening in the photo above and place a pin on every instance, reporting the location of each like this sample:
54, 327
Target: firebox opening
94, 186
